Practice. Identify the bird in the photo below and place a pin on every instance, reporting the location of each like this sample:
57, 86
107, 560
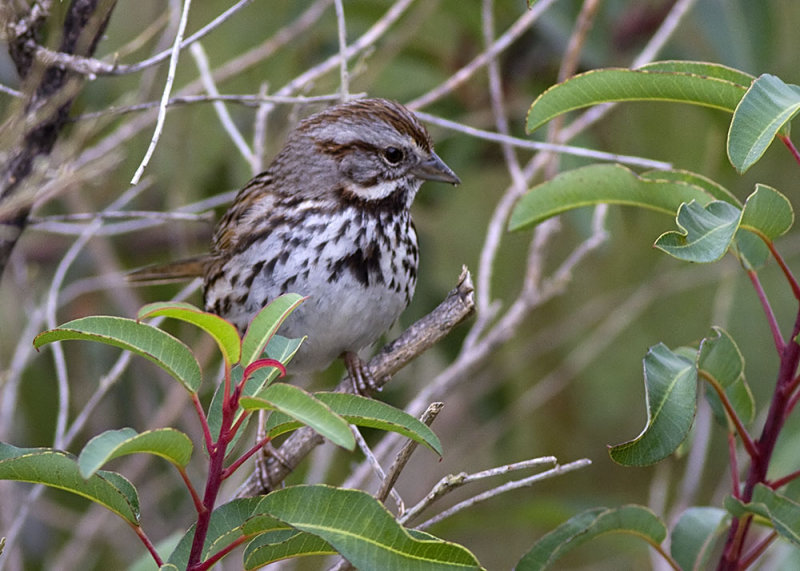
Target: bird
328, 219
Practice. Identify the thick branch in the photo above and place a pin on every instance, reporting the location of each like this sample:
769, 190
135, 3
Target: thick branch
421, 336
52, 94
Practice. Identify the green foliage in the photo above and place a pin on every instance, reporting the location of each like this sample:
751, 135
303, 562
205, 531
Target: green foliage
695, 534
634, 520
711, 222
671, 386
295, 521
149, 342
373, 541
172, 445
60, 470
366, 412
763, 114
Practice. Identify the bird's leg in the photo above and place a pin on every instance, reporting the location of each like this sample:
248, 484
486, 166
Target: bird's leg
261, 468
363, 382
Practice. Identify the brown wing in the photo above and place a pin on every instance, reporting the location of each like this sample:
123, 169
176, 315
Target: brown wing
179, 270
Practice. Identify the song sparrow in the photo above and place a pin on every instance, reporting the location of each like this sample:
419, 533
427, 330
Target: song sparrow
329, 219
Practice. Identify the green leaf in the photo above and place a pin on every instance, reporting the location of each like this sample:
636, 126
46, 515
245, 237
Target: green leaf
172, 445
783, 513
150, 342
225, 526
671, 388
363, 411
767, 213
360, 528
684, 82
703, 69
632, 519
706, 232
721, 363
603, 184
694, 536
283, 544
301, 405
60, 470
265, 324
750, 249
712, 188
223, 332
763, 112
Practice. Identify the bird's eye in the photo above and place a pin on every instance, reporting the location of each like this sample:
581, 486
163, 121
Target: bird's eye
393, 155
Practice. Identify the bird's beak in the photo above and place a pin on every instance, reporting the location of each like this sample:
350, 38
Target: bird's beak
435, 169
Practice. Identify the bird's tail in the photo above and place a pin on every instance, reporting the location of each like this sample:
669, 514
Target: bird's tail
170, 272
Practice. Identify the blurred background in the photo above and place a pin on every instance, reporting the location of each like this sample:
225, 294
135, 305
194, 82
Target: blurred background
564, 380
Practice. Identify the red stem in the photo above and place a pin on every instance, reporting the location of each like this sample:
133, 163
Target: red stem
779, 483
198, 503
148, 544
216, 468
773, 323
726, 404
734, 464
201, 414
756, 552
246, 456
212, 560
789, 145
790, 357
786, 271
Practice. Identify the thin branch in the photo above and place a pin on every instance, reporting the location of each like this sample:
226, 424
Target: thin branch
95, 67
148, 544
200, 58
162, 109
257, 101
784, 268
749, 558
542, 146
520, 26
52, 305
749, 445
260, 132
12, 92
735, 486
773, 323
341, 28
376, 466
405, 453
372, 35
790, 145
258, 446
507, 487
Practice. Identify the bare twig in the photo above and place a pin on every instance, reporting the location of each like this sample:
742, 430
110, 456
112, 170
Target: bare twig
376, 466
162, 109
453, 482
341, 28
458, 78
405, 453
95, 67
543, 146
200, 58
